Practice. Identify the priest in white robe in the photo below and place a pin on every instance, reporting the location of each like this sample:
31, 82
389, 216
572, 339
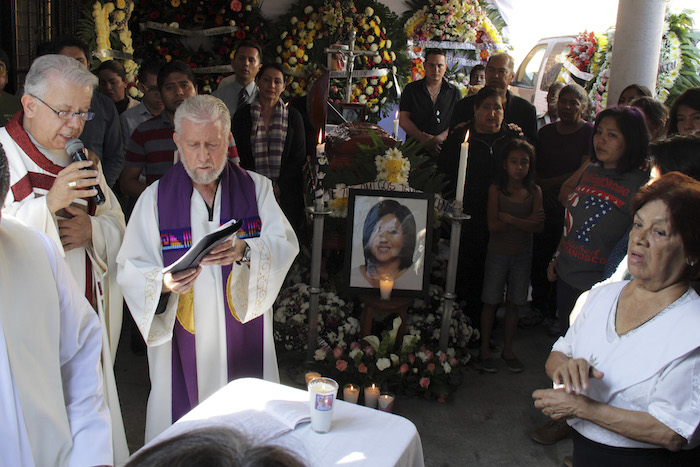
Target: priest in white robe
207, 325
52, 409
52, 194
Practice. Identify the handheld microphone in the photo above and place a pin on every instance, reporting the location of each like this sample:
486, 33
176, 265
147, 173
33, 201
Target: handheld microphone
76, 148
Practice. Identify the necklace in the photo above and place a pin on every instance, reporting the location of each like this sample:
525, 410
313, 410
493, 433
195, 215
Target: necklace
434, 97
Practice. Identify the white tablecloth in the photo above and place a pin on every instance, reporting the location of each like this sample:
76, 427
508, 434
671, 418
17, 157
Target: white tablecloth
359, 436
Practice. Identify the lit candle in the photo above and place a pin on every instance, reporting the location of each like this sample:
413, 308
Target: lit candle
321, 147
386, 402
386, 283
462, 172
320, 174
311, 375
371, 396
395, 134
351, 393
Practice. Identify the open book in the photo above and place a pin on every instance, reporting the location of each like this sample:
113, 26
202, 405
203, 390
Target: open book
260, 410
197, 252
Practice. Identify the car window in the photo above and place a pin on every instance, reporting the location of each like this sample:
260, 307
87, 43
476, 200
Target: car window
554, 64
530, 67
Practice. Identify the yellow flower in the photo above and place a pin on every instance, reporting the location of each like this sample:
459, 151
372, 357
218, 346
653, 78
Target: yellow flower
121, 4
175, 3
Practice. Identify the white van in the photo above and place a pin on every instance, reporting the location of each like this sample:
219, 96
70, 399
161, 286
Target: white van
540, 69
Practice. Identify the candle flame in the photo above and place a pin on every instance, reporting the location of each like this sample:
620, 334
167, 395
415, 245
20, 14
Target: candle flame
320, 136
466, 137
397, 115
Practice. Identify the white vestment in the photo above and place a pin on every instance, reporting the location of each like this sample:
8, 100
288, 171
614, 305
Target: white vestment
253, 290
52, 409
107, 231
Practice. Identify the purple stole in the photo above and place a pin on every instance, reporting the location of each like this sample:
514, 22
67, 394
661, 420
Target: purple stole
244, 342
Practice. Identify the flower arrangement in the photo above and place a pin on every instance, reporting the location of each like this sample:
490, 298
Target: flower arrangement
460, 21
192, 15
678, 62
414, 368
335, 324
582, 50
306, 30
405, 167
105, 28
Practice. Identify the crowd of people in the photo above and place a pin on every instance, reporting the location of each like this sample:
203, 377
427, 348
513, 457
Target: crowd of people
559, 202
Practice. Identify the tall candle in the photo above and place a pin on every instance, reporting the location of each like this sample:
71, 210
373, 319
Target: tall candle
395, 133
386, 283
320, 160
462, 173
371, 396
386, 402
351, 393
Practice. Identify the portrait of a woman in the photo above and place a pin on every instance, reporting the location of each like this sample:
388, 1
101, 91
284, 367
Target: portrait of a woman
389, 244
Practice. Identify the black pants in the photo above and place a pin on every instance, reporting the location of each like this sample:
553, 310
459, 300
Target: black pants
589, 453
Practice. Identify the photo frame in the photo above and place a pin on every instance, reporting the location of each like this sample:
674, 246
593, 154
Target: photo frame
389, 233
354, 113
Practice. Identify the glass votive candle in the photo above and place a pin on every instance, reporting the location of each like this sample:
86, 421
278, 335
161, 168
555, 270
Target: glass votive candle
386, 402
371, 395
351, 393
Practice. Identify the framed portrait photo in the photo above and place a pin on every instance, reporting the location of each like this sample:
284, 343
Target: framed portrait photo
353, 112
388, 238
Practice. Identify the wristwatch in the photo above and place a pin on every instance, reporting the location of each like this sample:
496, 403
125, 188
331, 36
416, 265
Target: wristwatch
246, 255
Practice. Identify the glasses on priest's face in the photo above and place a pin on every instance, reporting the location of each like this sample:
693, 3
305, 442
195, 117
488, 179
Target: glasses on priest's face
68, 114
3, 70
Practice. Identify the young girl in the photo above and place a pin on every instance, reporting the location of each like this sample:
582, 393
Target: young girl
514, 213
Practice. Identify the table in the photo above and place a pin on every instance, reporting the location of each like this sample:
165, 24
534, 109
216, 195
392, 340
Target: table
359, 436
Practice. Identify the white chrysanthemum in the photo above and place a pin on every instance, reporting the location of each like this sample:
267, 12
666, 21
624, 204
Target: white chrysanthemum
319, 355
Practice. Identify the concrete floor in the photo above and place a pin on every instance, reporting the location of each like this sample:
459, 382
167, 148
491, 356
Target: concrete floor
485, 423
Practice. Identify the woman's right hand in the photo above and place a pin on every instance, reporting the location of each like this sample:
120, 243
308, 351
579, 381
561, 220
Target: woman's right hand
552, 271
574, 375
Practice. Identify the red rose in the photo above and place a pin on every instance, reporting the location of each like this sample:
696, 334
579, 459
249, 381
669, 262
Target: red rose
337, 352
424, 383
362, 368
443, 357
236, 5
431, 367
404, 368
411, 358
341, 365
453, 362
354, 345
429, 355
240, 34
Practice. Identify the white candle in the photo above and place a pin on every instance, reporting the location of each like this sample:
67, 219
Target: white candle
386, 402
395, 134
462, 172
386, 283
351, 393
321, 147
371, 396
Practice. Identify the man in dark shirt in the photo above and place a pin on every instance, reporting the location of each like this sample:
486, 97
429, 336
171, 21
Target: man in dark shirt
426, 105
499, 74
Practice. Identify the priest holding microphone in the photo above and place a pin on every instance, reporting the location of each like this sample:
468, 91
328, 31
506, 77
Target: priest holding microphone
55, 196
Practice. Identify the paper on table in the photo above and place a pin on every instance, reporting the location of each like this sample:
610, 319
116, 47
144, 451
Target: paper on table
194, 255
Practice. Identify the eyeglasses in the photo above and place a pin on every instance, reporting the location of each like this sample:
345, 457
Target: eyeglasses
68, 114
3, 70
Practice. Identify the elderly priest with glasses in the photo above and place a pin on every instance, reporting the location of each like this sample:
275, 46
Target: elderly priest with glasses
56, 196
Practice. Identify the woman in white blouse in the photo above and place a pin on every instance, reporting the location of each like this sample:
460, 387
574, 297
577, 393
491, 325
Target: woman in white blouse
627, 374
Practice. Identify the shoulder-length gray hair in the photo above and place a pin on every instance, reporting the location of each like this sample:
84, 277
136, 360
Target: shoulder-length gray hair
202, 109
48, 68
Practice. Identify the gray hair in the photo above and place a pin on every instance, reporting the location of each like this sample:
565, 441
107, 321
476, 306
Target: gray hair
202, 109
4, 176
582, 96
48, 68
510, 63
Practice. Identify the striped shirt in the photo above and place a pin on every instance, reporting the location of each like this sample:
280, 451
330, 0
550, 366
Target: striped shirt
152, 148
